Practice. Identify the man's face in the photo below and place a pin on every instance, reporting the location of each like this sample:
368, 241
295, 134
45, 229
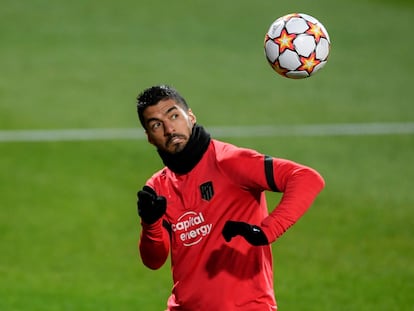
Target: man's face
168, 125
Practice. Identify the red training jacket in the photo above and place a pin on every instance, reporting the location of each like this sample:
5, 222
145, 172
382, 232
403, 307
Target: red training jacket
227, 184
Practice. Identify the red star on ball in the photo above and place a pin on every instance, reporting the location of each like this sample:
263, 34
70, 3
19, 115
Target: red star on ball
309, 63
285, 41
316, 31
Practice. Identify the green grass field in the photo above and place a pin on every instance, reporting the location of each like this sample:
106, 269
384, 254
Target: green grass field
68, 223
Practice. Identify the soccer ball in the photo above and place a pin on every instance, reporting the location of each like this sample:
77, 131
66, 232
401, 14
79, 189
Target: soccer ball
297, 45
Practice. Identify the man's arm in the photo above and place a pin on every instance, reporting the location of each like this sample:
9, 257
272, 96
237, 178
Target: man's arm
154, 242
154, 245
300, 185
252, 170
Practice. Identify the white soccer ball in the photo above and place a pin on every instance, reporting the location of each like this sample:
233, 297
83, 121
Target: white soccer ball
297, 45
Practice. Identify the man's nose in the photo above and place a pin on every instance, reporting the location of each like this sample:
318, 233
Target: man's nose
168, 128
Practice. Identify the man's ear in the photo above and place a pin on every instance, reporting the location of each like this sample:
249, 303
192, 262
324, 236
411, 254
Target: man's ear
192, 116
149, 138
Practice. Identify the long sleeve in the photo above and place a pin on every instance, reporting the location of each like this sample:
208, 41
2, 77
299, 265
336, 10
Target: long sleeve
154, 245
300, 185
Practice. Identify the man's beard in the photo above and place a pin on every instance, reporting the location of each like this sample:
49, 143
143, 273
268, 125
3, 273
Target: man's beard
177, 146
190, 153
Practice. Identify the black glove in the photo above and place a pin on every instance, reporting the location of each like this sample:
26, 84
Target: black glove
151, 207
252, 233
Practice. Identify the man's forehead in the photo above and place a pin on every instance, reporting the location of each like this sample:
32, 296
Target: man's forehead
161, 108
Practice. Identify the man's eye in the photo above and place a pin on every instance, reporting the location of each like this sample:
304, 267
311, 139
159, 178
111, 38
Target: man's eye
174, 116
155, 125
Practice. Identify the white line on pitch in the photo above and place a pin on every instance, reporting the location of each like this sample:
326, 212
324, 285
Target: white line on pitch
344, 129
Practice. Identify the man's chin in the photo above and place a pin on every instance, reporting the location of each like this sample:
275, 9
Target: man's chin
174, 148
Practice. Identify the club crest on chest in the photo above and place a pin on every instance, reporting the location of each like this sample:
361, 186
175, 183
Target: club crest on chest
207, 191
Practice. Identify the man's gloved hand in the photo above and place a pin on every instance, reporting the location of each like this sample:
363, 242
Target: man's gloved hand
252, 233
151, 207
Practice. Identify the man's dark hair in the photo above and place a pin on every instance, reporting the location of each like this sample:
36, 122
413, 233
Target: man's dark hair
151, 96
